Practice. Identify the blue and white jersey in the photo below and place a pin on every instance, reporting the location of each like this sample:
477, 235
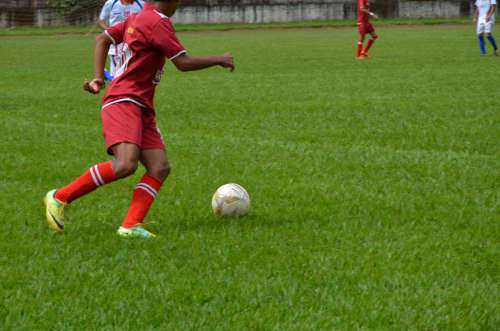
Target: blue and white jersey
483, 6
114, 11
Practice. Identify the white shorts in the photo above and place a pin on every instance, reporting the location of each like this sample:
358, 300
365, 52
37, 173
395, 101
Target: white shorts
114, 54
485, 27
113, 59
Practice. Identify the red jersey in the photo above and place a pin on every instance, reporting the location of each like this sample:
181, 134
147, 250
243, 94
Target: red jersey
362, 16
148, 38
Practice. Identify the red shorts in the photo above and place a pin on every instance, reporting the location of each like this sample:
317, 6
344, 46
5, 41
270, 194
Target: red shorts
365, 27
127, 122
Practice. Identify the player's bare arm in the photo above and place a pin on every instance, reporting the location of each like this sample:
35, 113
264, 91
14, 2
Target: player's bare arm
185, 62
474, 16
372, 14
101, 50
102, 24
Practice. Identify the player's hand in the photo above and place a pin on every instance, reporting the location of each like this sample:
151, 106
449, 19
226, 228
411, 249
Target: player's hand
94, 86
374, 16
227, 61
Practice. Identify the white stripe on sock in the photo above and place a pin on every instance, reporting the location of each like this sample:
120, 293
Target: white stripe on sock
96, 182
98, 175
150, 187
146, 188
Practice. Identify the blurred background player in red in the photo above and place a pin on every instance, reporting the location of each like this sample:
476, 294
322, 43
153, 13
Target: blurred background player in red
128, 115
365, 27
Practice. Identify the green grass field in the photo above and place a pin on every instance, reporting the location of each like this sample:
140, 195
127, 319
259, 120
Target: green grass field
375, 188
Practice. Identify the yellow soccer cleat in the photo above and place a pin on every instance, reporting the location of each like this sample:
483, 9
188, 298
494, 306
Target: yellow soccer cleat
135, 232
54, 211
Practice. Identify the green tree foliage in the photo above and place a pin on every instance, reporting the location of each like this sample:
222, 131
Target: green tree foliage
74, 7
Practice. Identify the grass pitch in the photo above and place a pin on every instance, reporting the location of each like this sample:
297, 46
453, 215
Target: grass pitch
375, 188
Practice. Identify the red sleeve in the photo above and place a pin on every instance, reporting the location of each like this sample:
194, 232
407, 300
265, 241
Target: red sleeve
166, 41
116, 32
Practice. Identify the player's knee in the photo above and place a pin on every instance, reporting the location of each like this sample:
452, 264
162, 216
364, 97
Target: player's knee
160, 170
101, 37
125, 168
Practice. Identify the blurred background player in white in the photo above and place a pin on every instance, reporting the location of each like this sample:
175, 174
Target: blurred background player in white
113, 12
484, 14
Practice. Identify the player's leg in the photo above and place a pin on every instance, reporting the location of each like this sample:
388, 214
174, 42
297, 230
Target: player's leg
482, 46
480, 36
361, 40
127, 156
157, 170
125, 163
489, 36
154, 159
370, 42
108, 75
122, 128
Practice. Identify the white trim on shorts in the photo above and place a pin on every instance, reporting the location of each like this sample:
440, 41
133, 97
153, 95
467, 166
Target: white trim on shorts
178, 54
109, 36
123, 100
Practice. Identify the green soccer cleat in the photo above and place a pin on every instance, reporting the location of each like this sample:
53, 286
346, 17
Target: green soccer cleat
135, 232
54, 212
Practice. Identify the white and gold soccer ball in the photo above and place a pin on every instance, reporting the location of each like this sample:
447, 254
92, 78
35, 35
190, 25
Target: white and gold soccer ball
230, 200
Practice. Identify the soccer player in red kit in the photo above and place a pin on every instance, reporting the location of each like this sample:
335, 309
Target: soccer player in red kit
128, 115
365, 27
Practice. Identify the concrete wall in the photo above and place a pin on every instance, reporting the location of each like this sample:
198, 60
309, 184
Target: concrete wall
285, 11
431, 9
39, 12
275, 11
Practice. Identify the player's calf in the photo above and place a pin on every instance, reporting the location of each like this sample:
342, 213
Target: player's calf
482, 46
493, 43
369, 44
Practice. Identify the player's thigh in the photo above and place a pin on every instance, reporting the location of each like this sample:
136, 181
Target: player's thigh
481, 27
370, 29
127, 152
362, 31
488, 28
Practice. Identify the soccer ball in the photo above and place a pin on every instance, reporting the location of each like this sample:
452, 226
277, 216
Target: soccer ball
230, 200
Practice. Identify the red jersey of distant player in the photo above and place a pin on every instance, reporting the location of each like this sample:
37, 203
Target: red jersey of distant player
364, 24
148, 38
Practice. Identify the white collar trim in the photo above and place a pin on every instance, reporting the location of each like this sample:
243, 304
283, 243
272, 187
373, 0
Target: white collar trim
161, 15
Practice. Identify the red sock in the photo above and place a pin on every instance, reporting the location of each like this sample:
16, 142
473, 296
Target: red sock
96, 176
144, 194
368, 45
359, 49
